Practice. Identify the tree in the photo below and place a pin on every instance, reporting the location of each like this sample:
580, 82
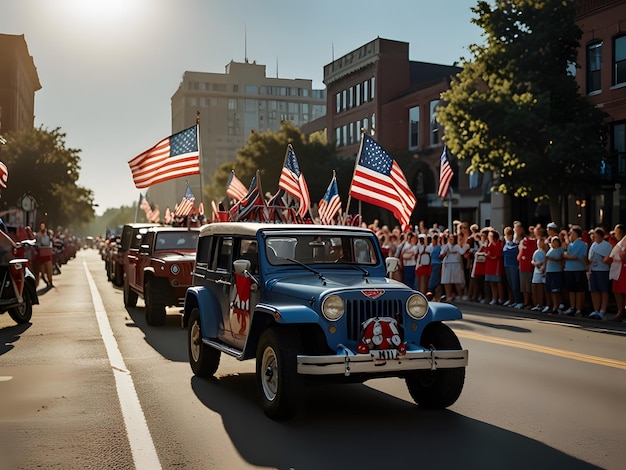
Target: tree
266, 152
40, 164
515, 110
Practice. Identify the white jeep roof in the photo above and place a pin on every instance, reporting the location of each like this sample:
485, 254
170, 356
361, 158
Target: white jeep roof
251, 228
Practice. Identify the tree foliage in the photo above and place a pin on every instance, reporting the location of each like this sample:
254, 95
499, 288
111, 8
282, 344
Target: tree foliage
40, 164
266, 152
516, 111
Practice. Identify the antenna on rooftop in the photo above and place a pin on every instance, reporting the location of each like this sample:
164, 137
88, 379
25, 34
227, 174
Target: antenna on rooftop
245, 42
276, 67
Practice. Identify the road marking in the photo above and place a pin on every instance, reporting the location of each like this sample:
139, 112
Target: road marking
141, 444
602, 361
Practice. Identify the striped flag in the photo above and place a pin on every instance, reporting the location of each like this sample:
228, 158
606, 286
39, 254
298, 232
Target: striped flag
235, 188
173, 157
186, 204
445, 174
293, 182
330, 204
378, 180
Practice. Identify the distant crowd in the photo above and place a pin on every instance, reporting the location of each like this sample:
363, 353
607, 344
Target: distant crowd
553, 270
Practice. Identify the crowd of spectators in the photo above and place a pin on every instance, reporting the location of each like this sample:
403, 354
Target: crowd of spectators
552, 270
51, 250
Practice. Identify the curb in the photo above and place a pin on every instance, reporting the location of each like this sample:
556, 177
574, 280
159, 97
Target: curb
520, 312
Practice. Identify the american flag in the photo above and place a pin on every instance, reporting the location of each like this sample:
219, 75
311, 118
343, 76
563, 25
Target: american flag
152, 214
235, 188
330, 203
173, 157
445, 174
4, 175
186, 204
251, 201
292, 181
379, 180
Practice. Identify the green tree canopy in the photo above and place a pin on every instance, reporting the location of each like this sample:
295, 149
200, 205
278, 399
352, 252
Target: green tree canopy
40, 164
515, 108
266, 152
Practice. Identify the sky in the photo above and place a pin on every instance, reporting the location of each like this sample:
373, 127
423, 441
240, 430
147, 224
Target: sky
108, 68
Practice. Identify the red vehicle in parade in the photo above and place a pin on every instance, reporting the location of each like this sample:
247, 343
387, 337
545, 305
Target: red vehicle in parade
18, 289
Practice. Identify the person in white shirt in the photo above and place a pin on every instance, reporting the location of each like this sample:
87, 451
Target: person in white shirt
599, 276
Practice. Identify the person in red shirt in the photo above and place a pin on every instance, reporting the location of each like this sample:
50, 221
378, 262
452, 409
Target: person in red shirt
527, 247
494, 267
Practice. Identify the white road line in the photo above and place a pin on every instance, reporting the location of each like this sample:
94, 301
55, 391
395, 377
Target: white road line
141, 445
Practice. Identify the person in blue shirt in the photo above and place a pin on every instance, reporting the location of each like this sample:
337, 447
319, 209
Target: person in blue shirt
554, 273
575, 271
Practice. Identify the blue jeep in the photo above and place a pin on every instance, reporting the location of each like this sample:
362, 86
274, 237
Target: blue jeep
313, 302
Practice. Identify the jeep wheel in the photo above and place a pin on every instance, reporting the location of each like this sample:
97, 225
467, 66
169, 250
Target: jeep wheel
130, 296
24, 312
203, 359
153, 294
437, 389
278, 383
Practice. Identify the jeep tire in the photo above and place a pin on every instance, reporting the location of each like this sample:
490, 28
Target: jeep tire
130, 296
118, 275
278, 384
437, 389
203, 359
153, 295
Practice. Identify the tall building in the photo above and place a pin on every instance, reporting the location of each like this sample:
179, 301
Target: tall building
18, 83
230, 106
376, 88
602, 78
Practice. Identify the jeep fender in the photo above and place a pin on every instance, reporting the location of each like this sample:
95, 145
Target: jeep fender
442, 312
266, 315
208, 307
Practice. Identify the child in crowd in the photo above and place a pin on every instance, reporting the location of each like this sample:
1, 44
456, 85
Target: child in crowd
539, 276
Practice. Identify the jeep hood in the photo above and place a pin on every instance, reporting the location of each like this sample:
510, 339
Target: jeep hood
307, 286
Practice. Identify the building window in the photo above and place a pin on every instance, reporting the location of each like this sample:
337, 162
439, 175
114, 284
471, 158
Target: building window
337, 137
232, 104
414, 124
365, 124
618, 135
620, 60
358, 94
252, 89
235, 88
351, 97
372, 87
594, 67
338, 103
366, 88
344, 99
434, 126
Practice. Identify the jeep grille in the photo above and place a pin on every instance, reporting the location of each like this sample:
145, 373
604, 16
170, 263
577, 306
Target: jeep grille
357, 311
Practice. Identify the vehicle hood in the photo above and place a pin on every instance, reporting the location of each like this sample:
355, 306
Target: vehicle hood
307, 286
175, 256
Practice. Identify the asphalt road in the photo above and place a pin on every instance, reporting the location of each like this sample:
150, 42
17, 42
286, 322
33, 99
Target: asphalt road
89, 385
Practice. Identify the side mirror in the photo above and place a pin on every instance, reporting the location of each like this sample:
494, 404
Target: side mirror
241, 266
392, 264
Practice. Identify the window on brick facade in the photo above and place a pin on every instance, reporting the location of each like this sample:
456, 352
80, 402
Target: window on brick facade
414, 124
594, 67
619, 66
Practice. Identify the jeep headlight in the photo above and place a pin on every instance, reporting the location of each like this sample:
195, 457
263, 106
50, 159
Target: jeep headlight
333, 307
417, 306
175, 269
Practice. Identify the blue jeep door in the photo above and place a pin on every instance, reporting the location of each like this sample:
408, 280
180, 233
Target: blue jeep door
219, 280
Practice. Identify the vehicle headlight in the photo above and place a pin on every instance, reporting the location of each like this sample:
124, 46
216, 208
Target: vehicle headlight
333, 307
175, 269
417, 306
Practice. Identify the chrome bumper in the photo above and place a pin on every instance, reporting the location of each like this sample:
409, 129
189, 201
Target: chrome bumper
346, 362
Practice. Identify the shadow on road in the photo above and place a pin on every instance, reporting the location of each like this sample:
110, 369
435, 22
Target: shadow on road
10, 334
355, 426
169, 340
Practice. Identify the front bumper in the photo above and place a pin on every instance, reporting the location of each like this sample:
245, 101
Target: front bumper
346, 362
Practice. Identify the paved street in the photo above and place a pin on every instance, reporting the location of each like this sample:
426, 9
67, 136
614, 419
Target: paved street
89, 385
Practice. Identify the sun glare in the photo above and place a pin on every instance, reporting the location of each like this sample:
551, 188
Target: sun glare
100, 12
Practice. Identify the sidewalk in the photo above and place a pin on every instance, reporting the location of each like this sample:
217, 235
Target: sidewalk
605, 324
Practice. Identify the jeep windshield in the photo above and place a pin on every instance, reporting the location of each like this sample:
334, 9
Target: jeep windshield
174, 241
321, 249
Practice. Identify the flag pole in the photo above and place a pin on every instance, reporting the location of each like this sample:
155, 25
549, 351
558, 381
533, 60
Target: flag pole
356, 162
450, 209
200, 158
